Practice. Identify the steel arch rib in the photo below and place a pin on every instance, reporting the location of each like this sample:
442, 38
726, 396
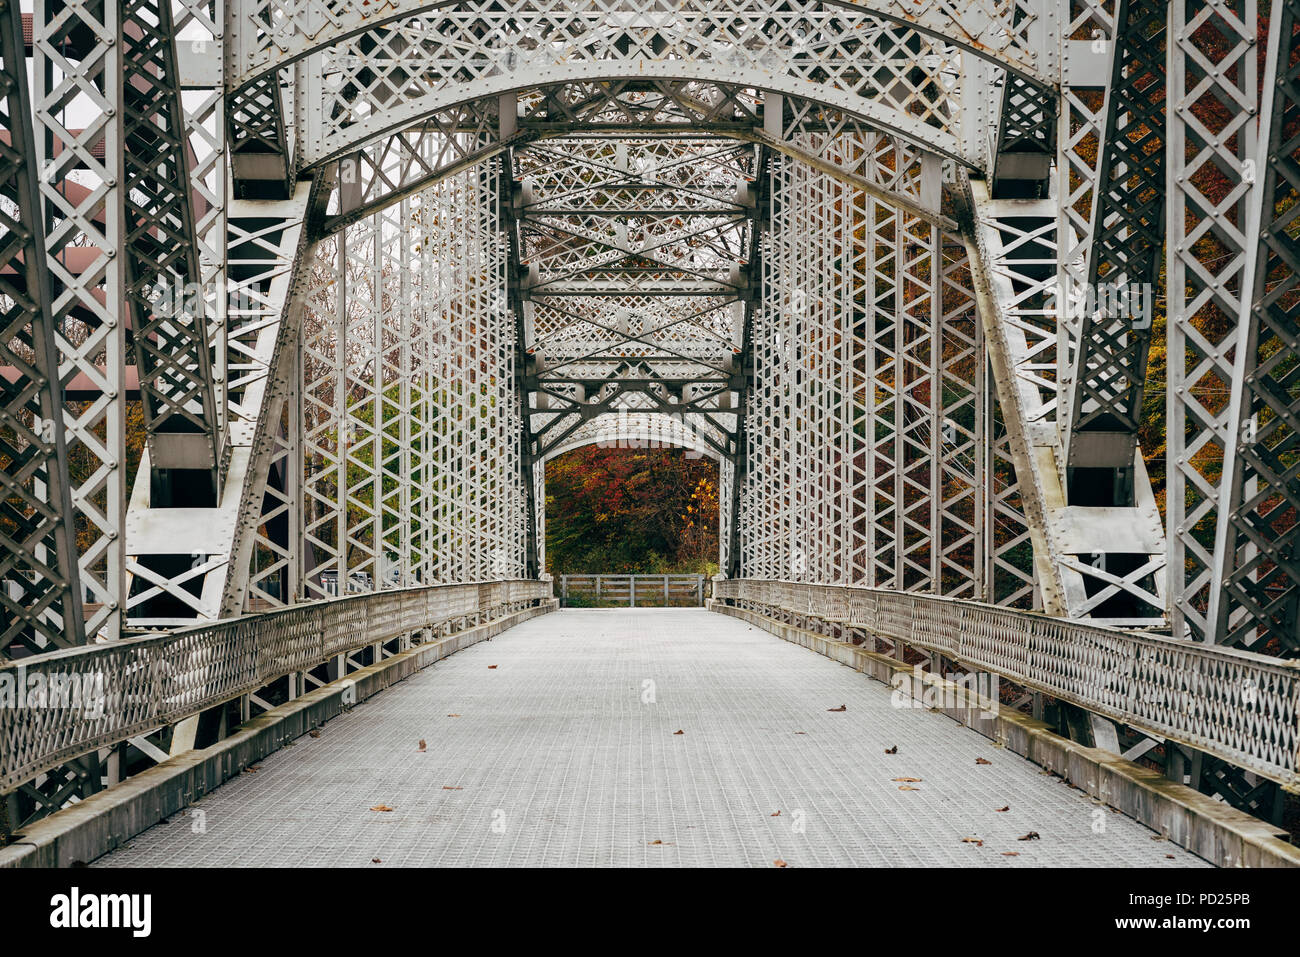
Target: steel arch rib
886, 120
973, 26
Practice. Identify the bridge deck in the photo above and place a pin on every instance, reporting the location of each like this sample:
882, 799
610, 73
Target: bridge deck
553, 757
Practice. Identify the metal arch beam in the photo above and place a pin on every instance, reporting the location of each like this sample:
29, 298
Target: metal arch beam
1255, 588
415, 158
383, 82
173, 355
989, 29
412, 111
699, 440
39, 560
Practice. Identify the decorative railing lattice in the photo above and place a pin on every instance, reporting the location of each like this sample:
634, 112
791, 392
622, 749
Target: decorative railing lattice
1241, 707
70, 702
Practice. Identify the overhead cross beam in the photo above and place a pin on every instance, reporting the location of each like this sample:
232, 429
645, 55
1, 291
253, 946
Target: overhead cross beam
633, 253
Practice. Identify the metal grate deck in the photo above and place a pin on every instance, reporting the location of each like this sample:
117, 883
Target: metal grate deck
555, 759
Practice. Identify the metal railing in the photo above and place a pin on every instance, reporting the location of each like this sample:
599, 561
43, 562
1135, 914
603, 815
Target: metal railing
56, 706
630, 591
1235, 705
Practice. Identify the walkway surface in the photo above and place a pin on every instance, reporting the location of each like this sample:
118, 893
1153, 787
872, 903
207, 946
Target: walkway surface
556, 744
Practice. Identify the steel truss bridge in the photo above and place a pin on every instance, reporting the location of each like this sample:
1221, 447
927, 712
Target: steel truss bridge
915, 273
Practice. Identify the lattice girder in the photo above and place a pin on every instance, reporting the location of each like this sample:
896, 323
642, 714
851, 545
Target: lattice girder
389, 79
1255, 588
172, 349
1127, 236
82, 162
40, 594
272, 34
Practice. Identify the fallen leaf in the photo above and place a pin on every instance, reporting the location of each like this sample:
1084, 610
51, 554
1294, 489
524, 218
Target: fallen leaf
423, 746
448, 787
381, 807
1000, 809
491, 667
908, 780
778, 863
453, 716
775, 814
1010, 853
842, 707
679, 731
664, 843
801, 732
893, 750
1169, 856
972, 840
314, 734
1031, 836
907, 787
982, 761
375, 860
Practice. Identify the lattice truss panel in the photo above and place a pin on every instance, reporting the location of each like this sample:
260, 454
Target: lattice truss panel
632, 262
865, 422
1085, 39
1100, 562
1255, 597
39, 600
172, 339
411, 426
1125, 252
77, 117
1214, 152
198, 27
274, 32
387, 78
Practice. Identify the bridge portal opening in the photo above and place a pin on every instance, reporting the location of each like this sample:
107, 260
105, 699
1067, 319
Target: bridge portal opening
632, 510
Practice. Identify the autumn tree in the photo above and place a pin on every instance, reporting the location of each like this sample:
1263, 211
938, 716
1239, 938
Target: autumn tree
650, 511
